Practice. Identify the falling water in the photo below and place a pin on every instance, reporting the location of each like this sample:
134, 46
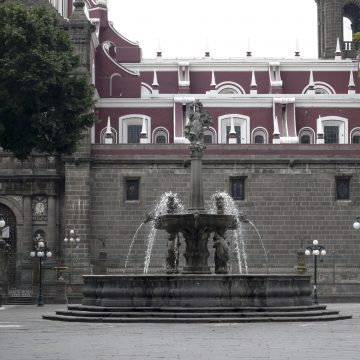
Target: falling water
131, 245
161, 208
263, 246
230, 208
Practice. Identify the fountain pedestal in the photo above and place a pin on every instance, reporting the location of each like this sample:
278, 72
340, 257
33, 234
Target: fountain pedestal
196, 228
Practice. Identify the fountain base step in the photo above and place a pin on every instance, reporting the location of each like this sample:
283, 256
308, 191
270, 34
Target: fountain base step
83, 313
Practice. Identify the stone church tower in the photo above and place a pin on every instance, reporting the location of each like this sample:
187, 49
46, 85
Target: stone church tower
330, 26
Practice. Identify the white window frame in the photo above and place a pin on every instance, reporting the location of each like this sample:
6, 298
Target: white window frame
307, 131
162, 131
114, 75
230, 85
133, 119
354, 131
339, 121
260, 131
113, 132
239, 120
321, 85
211, 131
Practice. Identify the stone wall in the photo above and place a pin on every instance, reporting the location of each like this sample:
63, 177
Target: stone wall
291, 201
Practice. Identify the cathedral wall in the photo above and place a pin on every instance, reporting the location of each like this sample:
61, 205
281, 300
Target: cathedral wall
291, 201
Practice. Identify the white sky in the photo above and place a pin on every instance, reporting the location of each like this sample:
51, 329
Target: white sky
184, 27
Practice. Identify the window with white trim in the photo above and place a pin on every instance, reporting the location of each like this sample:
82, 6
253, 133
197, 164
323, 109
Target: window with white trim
306, 136
355, 136
209, 136
335, 130
229, 87
241, 122
108, 138
161, 136
320, 88
130, 128
259, 136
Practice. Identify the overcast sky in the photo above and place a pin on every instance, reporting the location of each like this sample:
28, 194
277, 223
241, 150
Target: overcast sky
185, 27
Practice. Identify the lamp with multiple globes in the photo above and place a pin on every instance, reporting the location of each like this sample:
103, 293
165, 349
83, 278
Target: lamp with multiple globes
72, 239
41, 252
3, 247
316, 250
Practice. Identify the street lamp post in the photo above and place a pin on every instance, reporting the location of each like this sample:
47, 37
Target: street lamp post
71, 239
42, 252
316, 250
3, 248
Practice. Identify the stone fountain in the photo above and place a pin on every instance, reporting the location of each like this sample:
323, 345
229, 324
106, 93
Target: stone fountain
197, 226
195, 294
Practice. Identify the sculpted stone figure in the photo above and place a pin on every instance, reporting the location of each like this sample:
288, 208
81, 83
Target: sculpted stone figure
198, 120
222, 255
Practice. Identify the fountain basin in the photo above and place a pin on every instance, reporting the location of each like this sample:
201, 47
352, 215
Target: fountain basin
195, 290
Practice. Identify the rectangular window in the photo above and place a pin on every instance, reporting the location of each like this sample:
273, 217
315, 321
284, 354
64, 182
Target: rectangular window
343, 188
331, 134
132, 189
238, 134
237, 188
134, 134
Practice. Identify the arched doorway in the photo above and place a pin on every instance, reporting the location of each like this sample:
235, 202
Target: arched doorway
8, 252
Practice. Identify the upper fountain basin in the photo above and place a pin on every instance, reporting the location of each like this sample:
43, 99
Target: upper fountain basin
175, 223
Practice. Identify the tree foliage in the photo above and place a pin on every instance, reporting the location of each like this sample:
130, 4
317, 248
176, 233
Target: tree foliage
45, 105
356, 37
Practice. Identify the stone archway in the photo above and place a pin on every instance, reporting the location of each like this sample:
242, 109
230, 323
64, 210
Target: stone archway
8, 253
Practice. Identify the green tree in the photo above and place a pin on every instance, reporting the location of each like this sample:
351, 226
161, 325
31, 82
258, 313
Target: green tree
356, 37
45, 105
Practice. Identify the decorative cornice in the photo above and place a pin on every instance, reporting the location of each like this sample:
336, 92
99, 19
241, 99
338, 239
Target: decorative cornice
232, 100
245, 64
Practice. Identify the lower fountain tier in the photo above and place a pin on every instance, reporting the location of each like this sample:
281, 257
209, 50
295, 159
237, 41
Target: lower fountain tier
194, 290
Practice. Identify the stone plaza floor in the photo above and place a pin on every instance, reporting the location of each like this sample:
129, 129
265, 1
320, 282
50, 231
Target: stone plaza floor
24, 335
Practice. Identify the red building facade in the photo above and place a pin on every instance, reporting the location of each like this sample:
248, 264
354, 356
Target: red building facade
284, 143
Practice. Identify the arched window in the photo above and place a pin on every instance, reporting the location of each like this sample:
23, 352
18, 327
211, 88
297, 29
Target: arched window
350, 21
241, 125
229, 87
160, 136
210, 136
107, 138
116, 85
355, 136
130, 127
306, 136
321, 88
260, 136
